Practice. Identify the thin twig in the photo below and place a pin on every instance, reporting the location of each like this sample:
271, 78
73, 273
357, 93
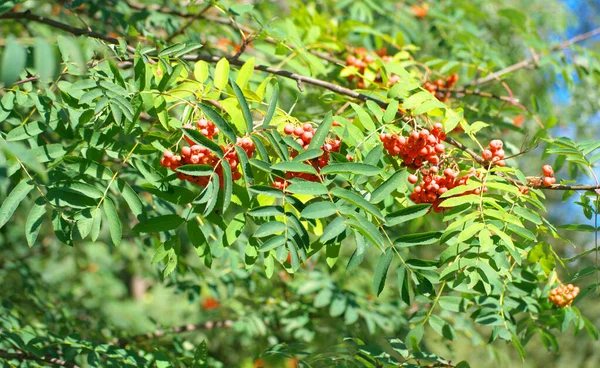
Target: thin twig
65, 27
189, 22
532, 59
205, 326
22, 356
321, 55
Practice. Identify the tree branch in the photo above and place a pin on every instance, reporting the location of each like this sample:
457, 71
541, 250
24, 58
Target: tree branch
27, 15
205, 326
189, 22
21, 356
299, 78
321, 55
532, 60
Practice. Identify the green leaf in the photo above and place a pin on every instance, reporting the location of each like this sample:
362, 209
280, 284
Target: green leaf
456, 201
407, 214
272, 106
294, 166
370, 231
391, 111
196, 170
200, 139
199, 242
396, 182
470, 231
517, 344
357, 200
133, 200
269, 228
321, 134
158, 224
48, 152
335, 228
409, 240
34, 220
245, 73
308, 155
318, 210
246, 168
307, 187
471, 185
244, 106
403, 283
272, 243
266, 190
218, 120
234, 229
87, 167
227, 185
211, 194
14, 57
221, 74
266, 211
25, 131
11, 202
381, 270
114, 223
354, 168
364, 118
358, 255
201, 71
200, 356
44, 60
485, 240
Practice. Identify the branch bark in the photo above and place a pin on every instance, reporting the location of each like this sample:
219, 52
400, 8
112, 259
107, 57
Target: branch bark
532, 59
321, 55
27, 15
22, 356
205, 326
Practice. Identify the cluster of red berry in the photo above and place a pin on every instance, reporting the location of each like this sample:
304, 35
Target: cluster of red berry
433, 87
433, 185
197, 154
563, 295
494, 153
418, 148
206, 127
362, 60
304, 135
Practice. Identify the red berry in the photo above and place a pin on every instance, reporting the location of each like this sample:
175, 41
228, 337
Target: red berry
496, 144
288, 129
548, 171
413, 179
486, 155
298, 131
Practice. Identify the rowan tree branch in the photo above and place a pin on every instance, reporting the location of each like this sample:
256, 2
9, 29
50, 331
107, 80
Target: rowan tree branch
22, 356
532, 59
299, 78
205, 326
27, 15
189, 22
164, 10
